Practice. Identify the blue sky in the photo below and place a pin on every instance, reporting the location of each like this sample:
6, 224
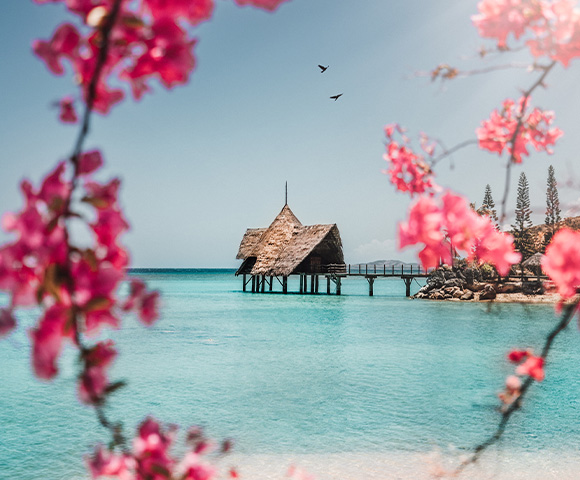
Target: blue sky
203, 162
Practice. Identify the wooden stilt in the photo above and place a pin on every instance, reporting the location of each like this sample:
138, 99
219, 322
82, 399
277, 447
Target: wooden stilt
271, 282
408, 281
284, 284
317, 277
328, 284
371, 281
338, 289
263, 283
253, 283
244, 282
311, 283
301, 283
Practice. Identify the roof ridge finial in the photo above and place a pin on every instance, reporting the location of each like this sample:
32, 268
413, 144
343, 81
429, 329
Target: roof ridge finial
286, 198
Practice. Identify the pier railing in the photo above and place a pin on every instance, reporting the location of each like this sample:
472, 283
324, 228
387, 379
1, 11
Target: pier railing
384, 270
366, 269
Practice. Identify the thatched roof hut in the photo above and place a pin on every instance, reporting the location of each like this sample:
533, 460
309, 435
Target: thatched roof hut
287, 247
534, 263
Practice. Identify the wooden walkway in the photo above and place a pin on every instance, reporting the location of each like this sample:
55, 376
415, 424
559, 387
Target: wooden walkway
334, 274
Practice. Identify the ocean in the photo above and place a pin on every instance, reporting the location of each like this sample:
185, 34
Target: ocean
345, 387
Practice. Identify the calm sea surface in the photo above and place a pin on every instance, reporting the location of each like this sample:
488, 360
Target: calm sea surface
300, 374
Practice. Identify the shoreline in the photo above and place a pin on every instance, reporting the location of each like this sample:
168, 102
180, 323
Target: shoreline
498, 465
544, 299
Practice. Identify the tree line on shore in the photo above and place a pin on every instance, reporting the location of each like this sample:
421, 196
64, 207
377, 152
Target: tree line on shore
529, 239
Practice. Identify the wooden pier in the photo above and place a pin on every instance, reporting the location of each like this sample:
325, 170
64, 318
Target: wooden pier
309, 280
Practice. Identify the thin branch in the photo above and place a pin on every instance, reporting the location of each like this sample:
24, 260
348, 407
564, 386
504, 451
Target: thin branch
91, 94
565, 319
447, 72
526, 95
106, 29
484, 52
448, 152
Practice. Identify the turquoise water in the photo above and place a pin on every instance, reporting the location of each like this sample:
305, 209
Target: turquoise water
299, 374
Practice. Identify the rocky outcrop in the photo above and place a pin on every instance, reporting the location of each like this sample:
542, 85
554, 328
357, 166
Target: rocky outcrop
488, 293
468, 284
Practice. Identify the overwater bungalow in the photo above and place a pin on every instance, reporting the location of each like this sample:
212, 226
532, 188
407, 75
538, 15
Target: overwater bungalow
287, 248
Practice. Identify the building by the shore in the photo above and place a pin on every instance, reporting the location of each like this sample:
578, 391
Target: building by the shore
287, 248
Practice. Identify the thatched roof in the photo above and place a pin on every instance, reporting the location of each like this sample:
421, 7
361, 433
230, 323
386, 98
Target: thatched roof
250, 241
534, 261
285, 244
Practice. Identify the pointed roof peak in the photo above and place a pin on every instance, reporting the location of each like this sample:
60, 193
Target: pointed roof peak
286, 216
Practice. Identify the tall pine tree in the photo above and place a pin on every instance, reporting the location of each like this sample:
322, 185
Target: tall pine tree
522, 237
552, 206
488, 206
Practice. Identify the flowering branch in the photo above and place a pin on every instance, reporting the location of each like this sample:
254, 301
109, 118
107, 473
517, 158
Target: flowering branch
512, 142
106, 29
568, 313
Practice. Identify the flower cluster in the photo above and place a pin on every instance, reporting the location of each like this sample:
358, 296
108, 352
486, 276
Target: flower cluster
450, 225
528, 365
151, 458
408, 171
496, 134
149, 39
75, 287
562, 262
553, 26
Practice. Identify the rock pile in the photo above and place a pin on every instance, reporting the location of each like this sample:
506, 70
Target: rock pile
466, 284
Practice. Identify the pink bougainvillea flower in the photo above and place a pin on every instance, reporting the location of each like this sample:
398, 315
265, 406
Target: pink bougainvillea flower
151, 450
513, 384
498, 18
28, 265
109, 225
104, 463
193, 468
496, 248
424, 225
557, 34
146, 304
105, 97
169, 55
270, 5
94, 292
93, 380
562, 261
149, 311
497, 132
533, 367
136, 291
47, 340
151, 458
408, 171
554, 26
102, 196
455, 226
64, 43
517, 356
54, 189
89, 162
67, 111
7, 321
195, 11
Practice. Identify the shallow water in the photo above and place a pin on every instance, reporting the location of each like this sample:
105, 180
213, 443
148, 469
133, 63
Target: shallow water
357, 377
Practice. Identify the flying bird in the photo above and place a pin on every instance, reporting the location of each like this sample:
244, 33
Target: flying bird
322, 68
335, 97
